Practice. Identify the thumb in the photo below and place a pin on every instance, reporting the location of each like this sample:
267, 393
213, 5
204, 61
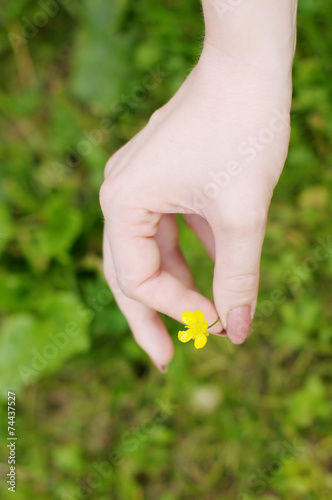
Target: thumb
236, 274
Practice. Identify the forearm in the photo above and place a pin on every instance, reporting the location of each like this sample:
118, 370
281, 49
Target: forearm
260, 33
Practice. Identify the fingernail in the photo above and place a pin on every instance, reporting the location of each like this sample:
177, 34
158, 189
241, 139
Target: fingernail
238, 324
161, 368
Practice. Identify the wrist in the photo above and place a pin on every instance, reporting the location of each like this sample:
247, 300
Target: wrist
259, 34
224, 75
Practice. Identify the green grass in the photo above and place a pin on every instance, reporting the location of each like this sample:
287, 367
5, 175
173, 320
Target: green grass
94, 418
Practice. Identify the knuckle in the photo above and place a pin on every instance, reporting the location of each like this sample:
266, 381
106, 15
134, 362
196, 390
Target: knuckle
155, 118
120, 281
242, 284
129, 289
127, 283
108, 195
103, 196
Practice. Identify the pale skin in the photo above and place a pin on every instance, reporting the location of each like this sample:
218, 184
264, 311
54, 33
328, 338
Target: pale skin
193, 158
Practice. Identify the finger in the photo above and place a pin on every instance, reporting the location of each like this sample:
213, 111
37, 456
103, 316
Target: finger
204, 232
236, 275
136, 255
172, 259
147, 327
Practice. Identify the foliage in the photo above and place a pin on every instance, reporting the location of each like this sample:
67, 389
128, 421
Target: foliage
95, 420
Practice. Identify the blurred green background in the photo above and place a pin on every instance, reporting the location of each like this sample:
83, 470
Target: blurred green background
94, 418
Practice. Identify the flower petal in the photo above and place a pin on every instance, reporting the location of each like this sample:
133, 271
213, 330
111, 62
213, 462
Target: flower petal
199, 316
200, 341
185, 336
205, 326
189, 318
201, 329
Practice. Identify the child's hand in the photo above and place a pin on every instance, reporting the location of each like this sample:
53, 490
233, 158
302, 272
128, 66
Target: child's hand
214, 153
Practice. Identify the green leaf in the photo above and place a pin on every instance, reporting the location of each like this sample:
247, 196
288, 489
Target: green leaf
308, 403
6, 227
31, 346
101, 60
61, 225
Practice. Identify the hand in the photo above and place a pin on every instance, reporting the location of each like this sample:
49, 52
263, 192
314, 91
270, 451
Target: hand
214, 153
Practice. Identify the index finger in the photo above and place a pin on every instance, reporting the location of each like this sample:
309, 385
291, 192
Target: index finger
137, 266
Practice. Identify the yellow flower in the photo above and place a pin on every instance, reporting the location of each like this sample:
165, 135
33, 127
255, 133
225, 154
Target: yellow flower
196, 328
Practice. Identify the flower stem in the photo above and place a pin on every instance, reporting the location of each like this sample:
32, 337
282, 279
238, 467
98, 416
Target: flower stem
214, 323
